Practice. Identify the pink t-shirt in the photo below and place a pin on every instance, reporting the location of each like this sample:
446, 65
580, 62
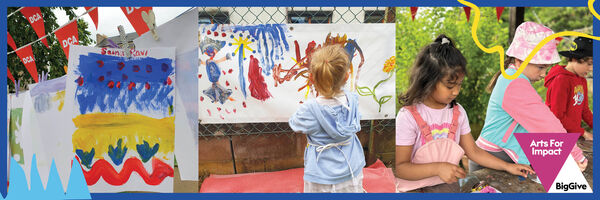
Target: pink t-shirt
439, 120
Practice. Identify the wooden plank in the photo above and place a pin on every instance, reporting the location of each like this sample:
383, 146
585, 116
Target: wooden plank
268, 152
214, 156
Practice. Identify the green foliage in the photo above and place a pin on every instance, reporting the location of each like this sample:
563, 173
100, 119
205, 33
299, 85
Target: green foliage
46, 60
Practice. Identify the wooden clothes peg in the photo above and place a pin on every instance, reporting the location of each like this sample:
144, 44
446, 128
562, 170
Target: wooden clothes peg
149, 18
123, 37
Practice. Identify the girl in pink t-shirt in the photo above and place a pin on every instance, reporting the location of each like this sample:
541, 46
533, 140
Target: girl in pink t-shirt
432, 130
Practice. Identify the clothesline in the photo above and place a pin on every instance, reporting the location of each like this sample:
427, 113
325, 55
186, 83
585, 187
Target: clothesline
74, 19
14, 12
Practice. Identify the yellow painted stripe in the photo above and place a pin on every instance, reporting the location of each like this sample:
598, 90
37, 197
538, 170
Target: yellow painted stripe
99, 130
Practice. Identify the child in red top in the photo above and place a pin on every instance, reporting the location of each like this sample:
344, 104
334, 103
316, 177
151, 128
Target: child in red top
567, 94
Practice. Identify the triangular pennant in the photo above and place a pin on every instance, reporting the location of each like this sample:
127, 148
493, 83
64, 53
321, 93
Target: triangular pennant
67, 36
467, 12
413, 12
134, 15
570, 179
26, 56
94, 15
499, 11
77, 187
10, 76
547, 153
10, 41
34, 17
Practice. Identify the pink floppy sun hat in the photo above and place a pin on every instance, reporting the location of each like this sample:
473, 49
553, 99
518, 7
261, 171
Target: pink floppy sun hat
527, 36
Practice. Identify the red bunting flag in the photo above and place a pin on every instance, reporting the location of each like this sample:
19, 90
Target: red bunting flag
467, 12
413, 12
10, 41
67, 36
26, 55
34, 17
499, 11
94, 15
10, 76
134, 15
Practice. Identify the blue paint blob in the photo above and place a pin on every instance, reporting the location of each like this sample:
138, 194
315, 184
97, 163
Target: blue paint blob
145, 151
117, 153
86, 157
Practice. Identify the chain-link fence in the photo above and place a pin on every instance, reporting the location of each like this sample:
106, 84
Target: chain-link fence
288, 15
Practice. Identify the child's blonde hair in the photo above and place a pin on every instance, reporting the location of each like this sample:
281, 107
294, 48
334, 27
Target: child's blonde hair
328, 67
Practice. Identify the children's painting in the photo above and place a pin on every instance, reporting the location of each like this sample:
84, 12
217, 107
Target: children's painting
259, 73
15, 136
124, 117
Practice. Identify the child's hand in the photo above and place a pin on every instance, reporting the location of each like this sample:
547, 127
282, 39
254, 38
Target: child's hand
582, 165
519, 169
449, 172
588, 136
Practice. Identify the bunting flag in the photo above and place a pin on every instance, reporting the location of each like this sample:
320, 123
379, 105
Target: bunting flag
413, 12
94, 15
499, 11
10, 41
467, 12
134, 15
34, 17
26, 56
67, 36
10, 76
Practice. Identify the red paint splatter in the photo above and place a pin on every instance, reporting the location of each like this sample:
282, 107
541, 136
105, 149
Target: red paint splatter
219, 109
169, 81
209, 114
148, 68
100, 63
199, 76
131, 85
136, 68
104, 169
147, 86
201, 98
111, 84
119, 84
223, 34
208, 32
236, 88
258, 87
216, 33
121, 65
234, 110
301, 102
227, 111
230, 71
101, 78
244, 104
222, 118
80, 81
223, 72
226, 83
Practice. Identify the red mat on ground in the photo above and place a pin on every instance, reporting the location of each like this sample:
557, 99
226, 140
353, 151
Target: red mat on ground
377, 179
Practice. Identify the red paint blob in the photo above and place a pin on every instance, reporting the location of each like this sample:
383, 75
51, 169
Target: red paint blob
208, 32
199, 75
100, 63
104, 169
111, 84
234, 110
119, 84
147, 86
219, 109
226, 83
244, 104
136, 68
80, 81
223, 34
121, 65
101, 78
201, 98
216, 33
169, 81
209, 114
131, 85
258, 87
223, 72
230, 71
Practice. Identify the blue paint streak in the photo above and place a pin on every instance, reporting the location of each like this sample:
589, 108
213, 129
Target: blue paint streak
268, 35
96, 95
214, 27
241, 75
49, 86
213, 71
117, 153
86, 157
350, 48
145, 151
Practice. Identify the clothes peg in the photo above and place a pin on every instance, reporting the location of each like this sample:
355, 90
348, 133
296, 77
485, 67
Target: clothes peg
149, 18
124, 40
17, 84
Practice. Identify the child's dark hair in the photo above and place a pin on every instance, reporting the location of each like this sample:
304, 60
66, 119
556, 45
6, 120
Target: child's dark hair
435, 61
580, 60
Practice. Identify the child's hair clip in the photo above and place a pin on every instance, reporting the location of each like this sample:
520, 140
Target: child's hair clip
445, 41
